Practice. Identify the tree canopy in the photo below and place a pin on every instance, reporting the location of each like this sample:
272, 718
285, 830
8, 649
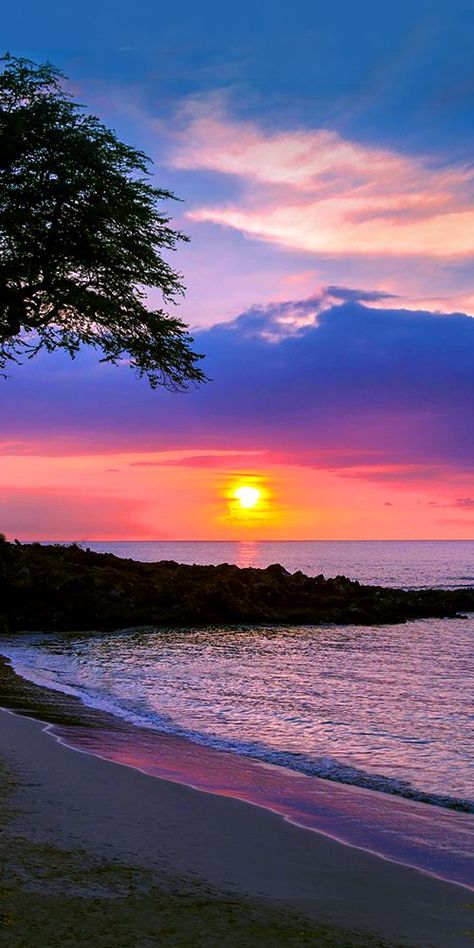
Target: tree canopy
82, 233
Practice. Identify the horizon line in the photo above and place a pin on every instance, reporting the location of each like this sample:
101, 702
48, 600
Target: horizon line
233, 540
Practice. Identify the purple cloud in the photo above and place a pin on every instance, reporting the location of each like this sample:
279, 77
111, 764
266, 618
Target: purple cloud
328, 380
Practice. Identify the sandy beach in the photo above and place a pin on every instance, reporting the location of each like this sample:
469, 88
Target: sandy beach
95, 852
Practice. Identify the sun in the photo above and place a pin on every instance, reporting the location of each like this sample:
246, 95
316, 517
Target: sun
247, 496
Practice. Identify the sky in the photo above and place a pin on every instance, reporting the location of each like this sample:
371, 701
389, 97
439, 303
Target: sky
322, 154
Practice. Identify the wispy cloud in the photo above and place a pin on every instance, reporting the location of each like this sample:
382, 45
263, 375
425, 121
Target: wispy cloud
463, 502
313, 190
208, 459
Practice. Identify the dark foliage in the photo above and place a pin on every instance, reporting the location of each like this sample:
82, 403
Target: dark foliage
81, 236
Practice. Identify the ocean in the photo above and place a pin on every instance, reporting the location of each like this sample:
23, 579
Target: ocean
385, 709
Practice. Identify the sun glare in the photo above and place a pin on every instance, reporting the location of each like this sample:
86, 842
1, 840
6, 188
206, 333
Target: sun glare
247, 496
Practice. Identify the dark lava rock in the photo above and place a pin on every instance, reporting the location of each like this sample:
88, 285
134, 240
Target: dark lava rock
65, 588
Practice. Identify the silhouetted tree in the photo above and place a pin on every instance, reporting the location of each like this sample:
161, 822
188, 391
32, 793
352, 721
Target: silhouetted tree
81, 236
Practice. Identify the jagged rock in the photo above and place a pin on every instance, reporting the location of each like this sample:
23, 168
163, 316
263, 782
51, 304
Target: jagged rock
62, 588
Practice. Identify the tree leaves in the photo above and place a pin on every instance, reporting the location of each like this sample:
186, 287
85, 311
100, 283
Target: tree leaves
82, 231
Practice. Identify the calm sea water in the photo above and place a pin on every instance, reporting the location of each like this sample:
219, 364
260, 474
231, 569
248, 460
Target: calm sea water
388, 708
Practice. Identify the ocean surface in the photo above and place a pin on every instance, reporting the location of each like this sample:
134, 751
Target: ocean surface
388, 709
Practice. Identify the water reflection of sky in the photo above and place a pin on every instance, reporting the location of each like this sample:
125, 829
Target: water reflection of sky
248, 554
387, 707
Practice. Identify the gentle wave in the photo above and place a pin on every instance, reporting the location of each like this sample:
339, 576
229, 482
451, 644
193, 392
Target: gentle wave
324, 767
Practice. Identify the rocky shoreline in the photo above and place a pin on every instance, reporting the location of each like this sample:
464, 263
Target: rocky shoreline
68, 589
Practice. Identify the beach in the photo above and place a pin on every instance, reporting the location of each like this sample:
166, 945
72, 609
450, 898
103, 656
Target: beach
94, 851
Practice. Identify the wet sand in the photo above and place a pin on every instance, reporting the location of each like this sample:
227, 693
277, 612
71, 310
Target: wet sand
435, 839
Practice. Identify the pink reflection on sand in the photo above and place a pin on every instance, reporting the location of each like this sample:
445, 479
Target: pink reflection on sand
435, 840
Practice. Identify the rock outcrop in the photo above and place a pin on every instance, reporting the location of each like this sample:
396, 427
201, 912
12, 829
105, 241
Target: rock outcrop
66, 588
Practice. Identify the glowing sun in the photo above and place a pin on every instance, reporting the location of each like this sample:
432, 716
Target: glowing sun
247, 496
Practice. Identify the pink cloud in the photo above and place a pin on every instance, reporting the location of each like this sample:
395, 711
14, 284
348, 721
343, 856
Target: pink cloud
312, 190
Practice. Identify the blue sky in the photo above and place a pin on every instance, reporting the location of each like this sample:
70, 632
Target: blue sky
379, 69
